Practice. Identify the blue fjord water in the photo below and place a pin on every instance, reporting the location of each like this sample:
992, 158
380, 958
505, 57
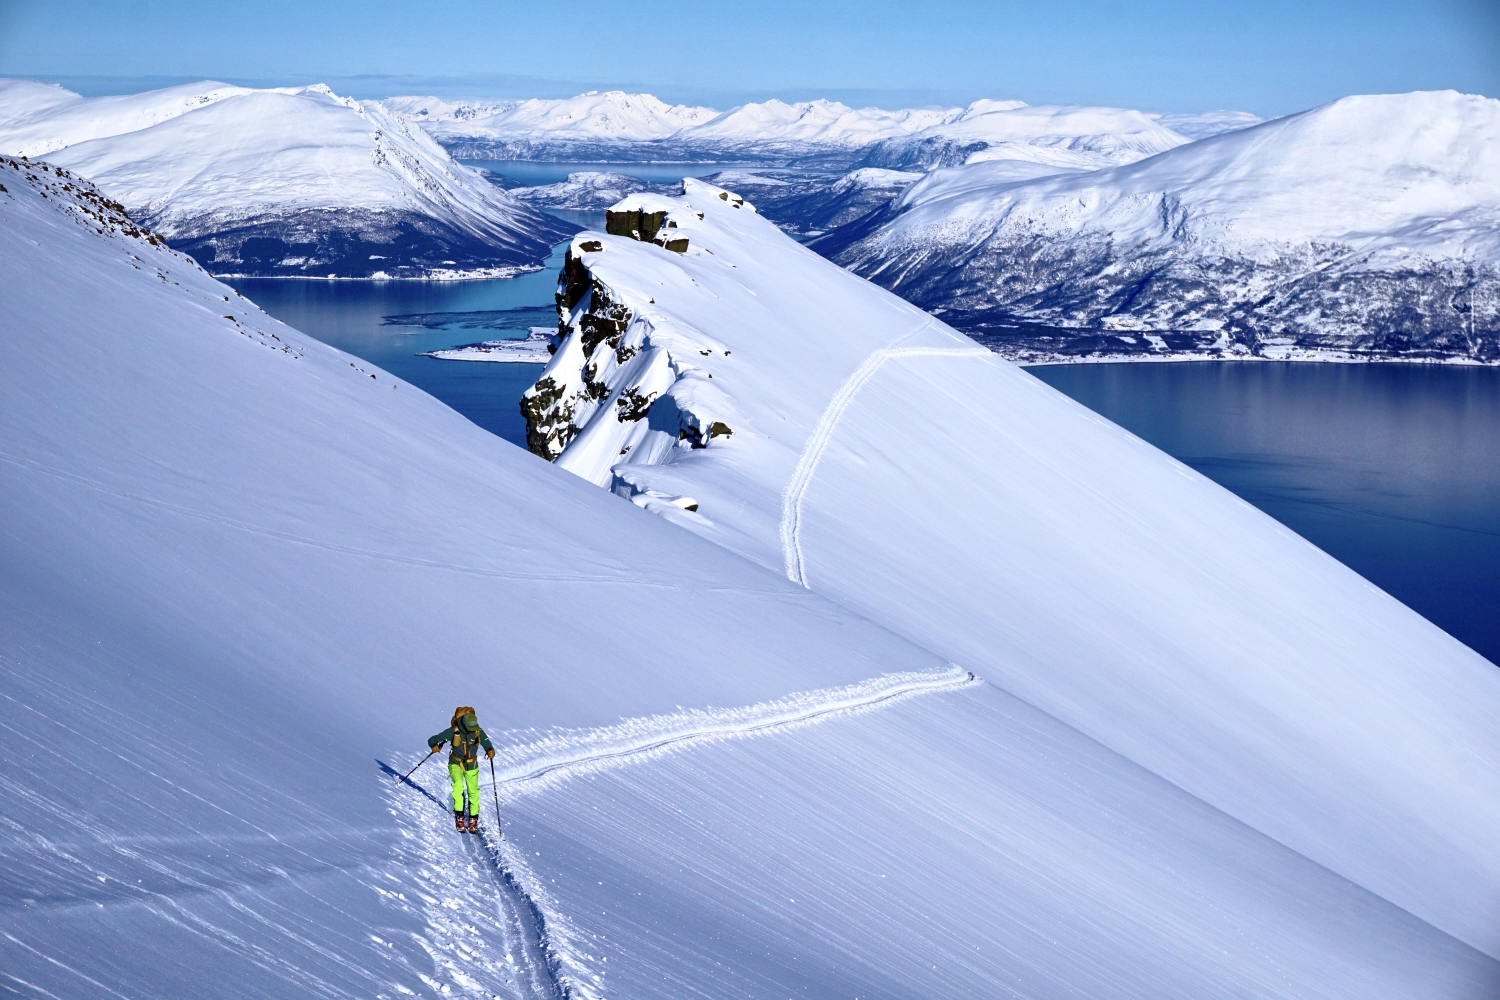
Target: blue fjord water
1392, 469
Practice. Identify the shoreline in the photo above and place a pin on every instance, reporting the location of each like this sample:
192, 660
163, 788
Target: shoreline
479, 274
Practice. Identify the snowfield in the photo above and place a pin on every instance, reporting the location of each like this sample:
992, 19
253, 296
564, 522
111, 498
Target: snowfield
244, 576
292, 182
1369, 227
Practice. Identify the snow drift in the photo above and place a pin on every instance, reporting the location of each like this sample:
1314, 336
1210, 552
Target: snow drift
241, 571
296, 182
1365, 228
770, 401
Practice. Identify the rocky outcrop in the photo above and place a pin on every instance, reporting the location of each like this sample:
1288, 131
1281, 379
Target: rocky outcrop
626, 384
630, 380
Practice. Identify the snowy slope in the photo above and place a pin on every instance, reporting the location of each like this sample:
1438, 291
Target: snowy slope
777, 404
1054, 135
37, 119
289, 182
242, 571
1365, 227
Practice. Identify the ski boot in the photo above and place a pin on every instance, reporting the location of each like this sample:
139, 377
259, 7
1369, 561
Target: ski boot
458, 821
474, 823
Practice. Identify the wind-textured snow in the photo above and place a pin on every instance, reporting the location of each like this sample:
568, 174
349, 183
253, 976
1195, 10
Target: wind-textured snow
244, 576
770, 401
291, 182
1368, 227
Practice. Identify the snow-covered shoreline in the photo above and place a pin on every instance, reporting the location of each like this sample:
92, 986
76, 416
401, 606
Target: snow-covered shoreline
1026, 360
476, 274
534, 349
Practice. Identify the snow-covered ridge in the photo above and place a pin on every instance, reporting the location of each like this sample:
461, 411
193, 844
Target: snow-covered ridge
1366, 227
764, 398
291, 182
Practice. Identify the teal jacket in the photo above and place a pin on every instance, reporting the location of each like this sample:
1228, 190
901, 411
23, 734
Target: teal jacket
465, 746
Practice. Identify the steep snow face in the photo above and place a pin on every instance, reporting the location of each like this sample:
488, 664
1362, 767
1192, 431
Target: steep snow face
1366, 227
37, 119
775, 403
242, 573
1077, 137
295, 182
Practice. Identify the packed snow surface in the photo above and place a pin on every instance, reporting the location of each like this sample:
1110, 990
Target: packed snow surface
1369, 225
823, 427
245, 576
294, 181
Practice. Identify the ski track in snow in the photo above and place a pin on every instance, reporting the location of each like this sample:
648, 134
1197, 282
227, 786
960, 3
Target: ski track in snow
478, 890
817, 442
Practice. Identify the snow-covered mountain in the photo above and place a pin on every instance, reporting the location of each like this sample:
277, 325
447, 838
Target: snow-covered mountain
38, 119
243, 572
778, 130
1365, 228
610, 125
294, 182
621, 127
1053, 135
775, 403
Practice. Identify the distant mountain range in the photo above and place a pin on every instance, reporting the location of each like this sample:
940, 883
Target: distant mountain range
291, 182
638, 127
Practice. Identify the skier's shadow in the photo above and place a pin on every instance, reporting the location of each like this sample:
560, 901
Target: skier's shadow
407, 781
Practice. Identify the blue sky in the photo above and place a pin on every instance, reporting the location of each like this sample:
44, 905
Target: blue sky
1169, 55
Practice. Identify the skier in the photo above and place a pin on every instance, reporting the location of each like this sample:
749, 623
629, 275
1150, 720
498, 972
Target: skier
463, 762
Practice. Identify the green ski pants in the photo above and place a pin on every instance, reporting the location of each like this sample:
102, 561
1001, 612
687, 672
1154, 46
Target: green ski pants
460, 778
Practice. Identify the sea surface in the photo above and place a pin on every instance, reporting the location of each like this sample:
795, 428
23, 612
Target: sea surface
1393, 469
391, 323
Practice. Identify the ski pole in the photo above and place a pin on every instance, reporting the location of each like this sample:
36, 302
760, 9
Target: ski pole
424, 760
495, 787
